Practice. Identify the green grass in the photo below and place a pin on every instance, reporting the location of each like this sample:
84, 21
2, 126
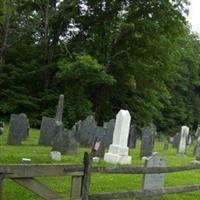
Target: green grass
99, 182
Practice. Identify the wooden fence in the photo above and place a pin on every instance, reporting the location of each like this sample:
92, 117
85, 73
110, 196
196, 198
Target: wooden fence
26, 174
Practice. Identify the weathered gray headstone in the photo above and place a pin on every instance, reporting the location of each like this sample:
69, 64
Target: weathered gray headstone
160, 136
132, 137
176, 140
197, 150
109, 126
87, 131
154, 181
154, 132
59, 140
100, 135
166, 146
197, 133
47, 131
63, 140
76, 130
147, 142
18, 129
60, 107
72, 145
25, 125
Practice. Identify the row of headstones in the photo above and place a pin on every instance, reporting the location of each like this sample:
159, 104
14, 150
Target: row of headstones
84, 132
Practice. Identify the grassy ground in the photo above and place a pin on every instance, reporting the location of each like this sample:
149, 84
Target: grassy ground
99, 182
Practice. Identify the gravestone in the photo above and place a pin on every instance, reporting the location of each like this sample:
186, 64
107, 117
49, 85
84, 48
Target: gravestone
166, 146
47, 131
147, 142
25, 125
63, 140
87, 131
76, 130
72, 145
197, 150
18, 129
183, 140
171, 140
132, 137
59, 139
160, 136
109, 127
154, 181
60, 107
118, 150
100, 134
154, 132
197, 133
176, 140
189, 140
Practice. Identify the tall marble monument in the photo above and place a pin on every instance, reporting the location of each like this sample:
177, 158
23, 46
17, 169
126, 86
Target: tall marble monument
118, 150
183, 140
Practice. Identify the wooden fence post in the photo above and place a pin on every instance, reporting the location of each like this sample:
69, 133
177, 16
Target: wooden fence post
1, 186
86, 176
76, 186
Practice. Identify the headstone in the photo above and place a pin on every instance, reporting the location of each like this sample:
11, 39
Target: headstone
160, 136
132, 137
76, 130
25, 125
87, 131
100, 133
63, 140
189, 140
18, 129
118, 150
176, 140
47, 131
166, 146
147, 142
71, 143
59, 140
154, 181
197, 150
183, 140
1, 127
60, 107
56, 155
109, 127
171, 140
197, 133
154, 132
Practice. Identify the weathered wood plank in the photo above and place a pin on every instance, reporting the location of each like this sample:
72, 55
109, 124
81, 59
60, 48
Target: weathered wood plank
36, 170
38, 188
1, 186
76, 186
144, 170
144, 193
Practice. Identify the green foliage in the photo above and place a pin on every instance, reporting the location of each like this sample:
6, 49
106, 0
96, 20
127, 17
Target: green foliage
103, 56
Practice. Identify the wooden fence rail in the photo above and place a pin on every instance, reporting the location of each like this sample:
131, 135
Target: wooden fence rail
144, 170
26, 174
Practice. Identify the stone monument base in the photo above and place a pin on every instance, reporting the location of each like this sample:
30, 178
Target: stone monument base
117, 159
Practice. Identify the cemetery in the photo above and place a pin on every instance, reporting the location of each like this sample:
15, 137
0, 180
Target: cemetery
99, 99
67, 166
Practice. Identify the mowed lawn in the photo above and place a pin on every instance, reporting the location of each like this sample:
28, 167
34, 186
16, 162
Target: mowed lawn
99, 182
